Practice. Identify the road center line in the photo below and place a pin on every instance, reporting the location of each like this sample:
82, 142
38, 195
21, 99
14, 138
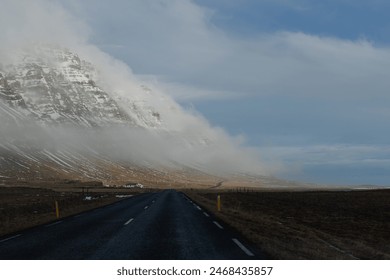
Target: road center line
129, 221
242, 247
9, 238
217, 224
207, 215
53, 224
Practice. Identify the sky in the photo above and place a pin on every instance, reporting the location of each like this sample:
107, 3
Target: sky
304, 82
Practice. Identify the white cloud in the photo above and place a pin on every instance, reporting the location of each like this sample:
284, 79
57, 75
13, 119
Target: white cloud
25, 21
185, 136
302, 65
177, 40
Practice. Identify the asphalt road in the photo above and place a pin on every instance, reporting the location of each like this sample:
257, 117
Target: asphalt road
163, 225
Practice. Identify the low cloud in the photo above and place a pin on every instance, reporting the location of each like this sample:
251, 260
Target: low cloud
185, 138
28, 22
141, 147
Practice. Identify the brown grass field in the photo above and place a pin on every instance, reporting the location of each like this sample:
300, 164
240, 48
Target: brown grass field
283, 224
307, 224
22, 207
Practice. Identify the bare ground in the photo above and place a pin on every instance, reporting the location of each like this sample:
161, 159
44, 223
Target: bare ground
23, 207
286, 225
310, 224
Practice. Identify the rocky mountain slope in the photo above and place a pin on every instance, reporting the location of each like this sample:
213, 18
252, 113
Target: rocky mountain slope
54, 86
53, 104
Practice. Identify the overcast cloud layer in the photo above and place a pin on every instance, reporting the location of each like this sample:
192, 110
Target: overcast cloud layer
311, 93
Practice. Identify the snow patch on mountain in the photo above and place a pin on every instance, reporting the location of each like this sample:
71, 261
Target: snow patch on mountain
54, 103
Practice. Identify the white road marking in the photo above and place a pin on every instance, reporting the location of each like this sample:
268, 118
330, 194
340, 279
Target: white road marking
129, 221
242, 247
338, 249
218, 225
53, 224
198, 207
9, 238
146, 207
207, 215
153, 201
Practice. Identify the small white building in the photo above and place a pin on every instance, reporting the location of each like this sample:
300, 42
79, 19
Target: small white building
133, 185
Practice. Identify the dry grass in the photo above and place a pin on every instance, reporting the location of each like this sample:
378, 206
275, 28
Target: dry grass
308, 225
286, 225
24, 207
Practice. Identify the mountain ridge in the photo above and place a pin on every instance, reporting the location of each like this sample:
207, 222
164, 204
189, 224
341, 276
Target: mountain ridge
60, 120
55, 86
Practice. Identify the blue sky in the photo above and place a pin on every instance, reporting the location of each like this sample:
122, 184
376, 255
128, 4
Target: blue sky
304, 82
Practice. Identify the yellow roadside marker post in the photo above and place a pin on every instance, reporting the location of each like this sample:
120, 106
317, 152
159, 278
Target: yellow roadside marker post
57, 209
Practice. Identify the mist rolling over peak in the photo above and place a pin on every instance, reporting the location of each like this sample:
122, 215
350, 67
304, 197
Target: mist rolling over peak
63, 115
310, 97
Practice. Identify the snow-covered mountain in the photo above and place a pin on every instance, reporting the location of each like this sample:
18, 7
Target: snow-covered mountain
63, 117
54, 86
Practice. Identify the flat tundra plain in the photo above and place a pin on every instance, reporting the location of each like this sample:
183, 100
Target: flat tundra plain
283, 224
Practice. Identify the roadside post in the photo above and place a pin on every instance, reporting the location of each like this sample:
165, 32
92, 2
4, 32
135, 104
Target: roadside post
219, 203
57, 210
